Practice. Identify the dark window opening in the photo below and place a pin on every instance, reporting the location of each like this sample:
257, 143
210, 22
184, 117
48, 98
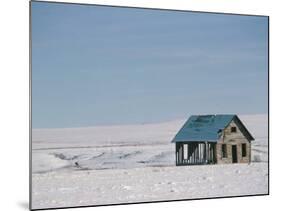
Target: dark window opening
244, 150
233, 129
224, 150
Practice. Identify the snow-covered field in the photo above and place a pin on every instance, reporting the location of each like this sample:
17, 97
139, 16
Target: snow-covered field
135, 163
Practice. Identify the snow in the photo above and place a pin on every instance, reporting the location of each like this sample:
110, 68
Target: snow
135, 163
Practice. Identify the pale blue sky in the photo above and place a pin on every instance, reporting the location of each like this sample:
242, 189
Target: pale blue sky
95, 65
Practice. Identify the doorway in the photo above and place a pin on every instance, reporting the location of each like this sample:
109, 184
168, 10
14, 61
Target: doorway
234, 154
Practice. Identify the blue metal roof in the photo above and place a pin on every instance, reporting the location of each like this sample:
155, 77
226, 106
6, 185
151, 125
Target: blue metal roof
203, 128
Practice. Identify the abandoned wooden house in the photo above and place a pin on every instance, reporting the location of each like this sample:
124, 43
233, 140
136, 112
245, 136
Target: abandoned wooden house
211, 139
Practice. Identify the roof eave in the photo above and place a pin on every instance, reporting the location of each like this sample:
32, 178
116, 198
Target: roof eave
183, 141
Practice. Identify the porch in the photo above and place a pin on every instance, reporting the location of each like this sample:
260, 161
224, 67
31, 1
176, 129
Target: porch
195, 153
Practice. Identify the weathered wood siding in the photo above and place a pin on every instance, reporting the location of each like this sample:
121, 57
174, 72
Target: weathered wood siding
233, 138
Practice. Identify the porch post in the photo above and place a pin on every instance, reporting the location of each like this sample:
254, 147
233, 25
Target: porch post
206, 152
176, 148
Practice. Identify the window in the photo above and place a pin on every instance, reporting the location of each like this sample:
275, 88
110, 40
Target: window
244, 150
233, 129
224, 150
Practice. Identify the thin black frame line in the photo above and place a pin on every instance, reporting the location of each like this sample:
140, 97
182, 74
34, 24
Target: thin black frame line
150, 8
268, 105
145, 202
30, 106
149, 202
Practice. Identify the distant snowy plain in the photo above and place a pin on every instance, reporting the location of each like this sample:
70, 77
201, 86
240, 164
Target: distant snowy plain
135, 163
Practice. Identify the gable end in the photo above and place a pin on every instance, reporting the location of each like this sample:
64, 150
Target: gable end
242, 128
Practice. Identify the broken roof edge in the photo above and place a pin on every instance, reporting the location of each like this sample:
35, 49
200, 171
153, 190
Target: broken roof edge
233, 117
174, 140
